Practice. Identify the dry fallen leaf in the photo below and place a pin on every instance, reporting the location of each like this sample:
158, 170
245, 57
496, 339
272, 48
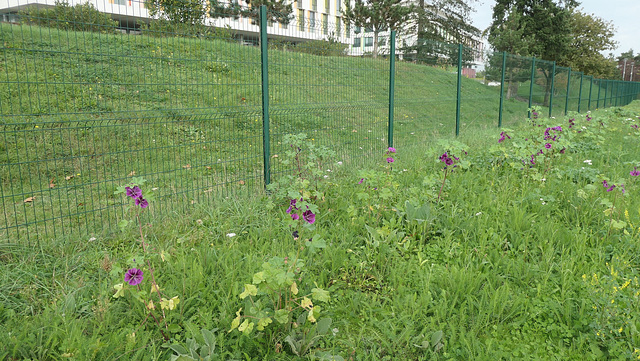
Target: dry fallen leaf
30, 199
208, 167
188, 166
132, 173
193, 202
69, 177
241, 182
51, 184
209, 190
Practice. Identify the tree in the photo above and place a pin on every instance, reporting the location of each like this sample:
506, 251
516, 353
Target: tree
438, 22
543, 26
590, 36
378, 15
194, 12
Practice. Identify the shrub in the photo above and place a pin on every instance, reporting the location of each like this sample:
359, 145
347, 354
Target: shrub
80, 17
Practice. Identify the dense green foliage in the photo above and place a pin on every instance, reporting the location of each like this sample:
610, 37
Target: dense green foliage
80, 17
500, 261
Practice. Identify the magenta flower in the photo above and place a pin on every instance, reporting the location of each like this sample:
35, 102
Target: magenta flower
392, 149
133, 276
389, 160
309, 216
548, 145
295, 216
361, 180
142, 202
611, 188
605, 184
134, 192
635, 172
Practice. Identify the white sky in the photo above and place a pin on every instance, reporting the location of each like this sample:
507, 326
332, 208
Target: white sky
625, 15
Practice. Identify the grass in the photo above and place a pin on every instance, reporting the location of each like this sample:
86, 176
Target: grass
503, 265
84, 111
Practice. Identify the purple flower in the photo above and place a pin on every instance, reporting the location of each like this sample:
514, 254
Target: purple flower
361, 180
623, 190
133, 276
309, 216
293, 202
635, 172
611, 188
295, 234
289, 210
548, 145
448, 161
392, 149
389, 160
295, 216
562, 150
605, 184
142, 202
134, 192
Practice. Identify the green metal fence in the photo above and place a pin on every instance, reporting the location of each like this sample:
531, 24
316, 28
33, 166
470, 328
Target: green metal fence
87, 103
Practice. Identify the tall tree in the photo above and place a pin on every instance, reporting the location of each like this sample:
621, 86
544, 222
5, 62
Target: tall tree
378, 15
590, 36
441, 21
544, 26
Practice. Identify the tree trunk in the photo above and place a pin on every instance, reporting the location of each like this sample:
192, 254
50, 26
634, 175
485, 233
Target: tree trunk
375, 44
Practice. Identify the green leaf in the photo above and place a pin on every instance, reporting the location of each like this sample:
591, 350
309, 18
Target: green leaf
179, 349
436, 337
323, 325
264, 322
246, 327
258, 278
209, 338
123, 225
618, 224
119, 290
249, 290
319, 294
282, 316
173, 328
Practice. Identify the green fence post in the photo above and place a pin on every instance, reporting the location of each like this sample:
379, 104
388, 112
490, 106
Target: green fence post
616, 86
590, 89
566, 103
459, 89
599, 89
533, 74
606, 87
392, 80
580, 92
266, 152
553, 80
504, 65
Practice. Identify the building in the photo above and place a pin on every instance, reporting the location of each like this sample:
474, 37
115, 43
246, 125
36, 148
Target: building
629, 69
313, 20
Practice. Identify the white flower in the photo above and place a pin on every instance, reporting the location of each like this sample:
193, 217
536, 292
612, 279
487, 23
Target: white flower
588, 161
544, 179
479, 213
412, 133
553, 117
326, 176
328, 170
230, 235
339, 163
543, 203
92, 239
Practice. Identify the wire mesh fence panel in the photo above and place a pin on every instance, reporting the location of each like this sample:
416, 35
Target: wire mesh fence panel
516, 88
559, 91
421, 113
335, 92
86, 107
480, 89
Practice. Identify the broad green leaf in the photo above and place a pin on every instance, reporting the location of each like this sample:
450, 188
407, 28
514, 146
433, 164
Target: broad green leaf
264, 322
313, 313
246, 327
319, 294
294, 288
123, 224
618, 224
249, 290
119, 290
324, 325
282, 316
169, 304
436, 337
306, 303
236, 321
258, 278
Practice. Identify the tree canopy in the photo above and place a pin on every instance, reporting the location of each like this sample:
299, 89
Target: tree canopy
378, 15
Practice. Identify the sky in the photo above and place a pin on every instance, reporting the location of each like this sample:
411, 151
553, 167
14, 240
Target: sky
623, 13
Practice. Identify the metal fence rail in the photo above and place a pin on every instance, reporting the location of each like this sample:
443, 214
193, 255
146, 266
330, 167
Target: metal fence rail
201, 112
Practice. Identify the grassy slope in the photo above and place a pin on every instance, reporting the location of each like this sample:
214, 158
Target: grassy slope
186, 114
499, 270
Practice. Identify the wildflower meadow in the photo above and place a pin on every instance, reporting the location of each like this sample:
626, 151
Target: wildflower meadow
515, 243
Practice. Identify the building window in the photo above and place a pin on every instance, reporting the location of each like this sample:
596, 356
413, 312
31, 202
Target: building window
368, 41
327, 6
368, 30
357, 30
325, 24
356, 42
338, 7
382, 41
338, 27
312, 20
301, 20
314, 5
348, 30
